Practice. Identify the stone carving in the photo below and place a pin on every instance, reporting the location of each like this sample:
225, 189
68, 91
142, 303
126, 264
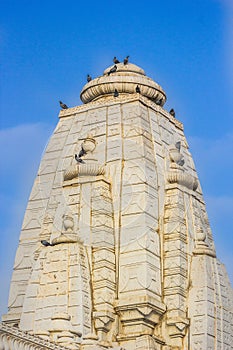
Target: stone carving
175, 275
62, 331
183, 179
176, 173
88, 145
13, 338
84, 170
68, 235
107, 84
47, 226
139, 319
87, 165
203, 239
103, 252
201, 246
175, 154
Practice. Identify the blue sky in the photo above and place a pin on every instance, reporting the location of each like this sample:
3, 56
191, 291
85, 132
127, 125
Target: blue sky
48, 47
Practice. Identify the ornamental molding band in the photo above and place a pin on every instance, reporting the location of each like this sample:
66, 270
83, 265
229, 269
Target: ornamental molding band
13, 338
116, 250
124, 80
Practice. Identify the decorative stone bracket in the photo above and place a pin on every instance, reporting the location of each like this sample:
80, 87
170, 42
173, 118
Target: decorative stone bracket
83, 170
86, 165
179, 177
177, 327
201, 247
176, 173
63, 332
68, 235
139, 318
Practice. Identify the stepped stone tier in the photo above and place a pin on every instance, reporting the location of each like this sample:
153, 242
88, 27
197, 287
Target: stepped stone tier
116, 250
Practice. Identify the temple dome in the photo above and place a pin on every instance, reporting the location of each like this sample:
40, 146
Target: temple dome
124, 80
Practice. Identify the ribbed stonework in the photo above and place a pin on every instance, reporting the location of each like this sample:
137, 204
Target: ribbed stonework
116, 250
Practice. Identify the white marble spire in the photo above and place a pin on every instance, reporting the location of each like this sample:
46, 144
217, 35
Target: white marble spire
127, 259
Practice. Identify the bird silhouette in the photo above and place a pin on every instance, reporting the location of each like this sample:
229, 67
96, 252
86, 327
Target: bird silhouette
138, 89
78, 158
126, 60
81, 153
116, 93
178, 145
181, 162
172, 112
115, 60
159, 103
46, 243
112, 70
89, 78
63, 105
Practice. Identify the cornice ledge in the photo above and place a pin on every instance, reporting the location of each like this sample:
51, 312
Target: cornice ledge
33, 341
183, 179
122, 99
106, 85
83, 170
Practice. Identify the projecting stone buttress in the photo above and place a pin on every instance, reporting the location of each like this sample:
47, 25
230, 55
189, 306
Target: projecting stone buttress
116, 250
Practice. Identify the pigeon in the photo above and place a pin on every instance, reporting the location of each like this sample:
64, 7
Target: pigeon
137, 89
181, 162
159, 103
112, 70
63, 105
116, 93
46, 243
177, 145
79, 160
126, 60
172, 112
81, 153
89, 78
115, 60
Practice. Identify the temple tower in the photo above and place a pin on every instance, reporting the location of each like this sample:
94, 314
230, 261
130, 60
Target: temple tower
116, 250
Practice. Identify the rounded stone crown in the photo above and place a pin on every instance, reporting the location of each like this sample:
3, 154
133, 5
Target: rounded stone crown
125, 80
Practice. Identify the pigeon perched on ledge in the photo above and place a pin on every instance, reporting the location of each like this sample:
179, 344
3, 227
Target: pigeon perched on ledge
82, 152
89, 78
63, 105
178, 145
78, 159
46, 243
112, 70
137, 89
115, 60
172, 112
126, 60
116, 93
160, 102
181, 162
